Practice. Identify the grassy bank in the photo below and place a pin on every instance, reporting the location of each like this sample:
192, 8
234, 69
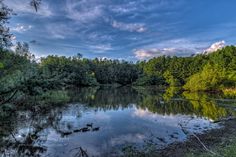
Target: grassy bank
222, 143
226, 148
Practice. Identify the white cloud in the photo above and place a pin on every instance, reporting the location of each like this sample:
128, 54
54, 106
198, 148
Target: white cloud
21, 28
131, 27
23, 6
156, 52
124, 8
145, 54
214, 47
175, 47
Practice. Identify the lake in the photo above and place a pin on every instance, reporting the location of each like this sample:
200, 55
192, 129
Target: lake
112, 122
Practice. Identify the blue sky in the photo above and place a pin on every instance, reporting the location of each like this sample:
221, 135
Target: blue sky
124, 29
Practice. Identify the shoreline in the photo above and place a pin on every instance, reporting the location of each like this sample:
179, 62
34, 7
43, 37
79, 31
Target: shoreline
212, 139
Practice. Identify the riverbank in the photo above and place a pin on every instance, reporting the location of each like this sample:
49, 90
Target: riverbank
219, 142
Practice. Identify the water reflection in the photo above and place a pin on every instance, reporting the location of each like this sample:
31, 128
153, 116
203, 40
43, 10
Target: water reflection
101, 122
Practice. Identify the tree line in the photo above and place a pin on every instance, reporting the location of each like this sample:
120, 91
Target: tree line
201, 72
21, 73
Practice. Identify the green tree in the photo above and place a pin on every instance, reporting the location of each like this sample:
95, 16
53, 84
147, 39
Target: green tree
210, 78
170, 79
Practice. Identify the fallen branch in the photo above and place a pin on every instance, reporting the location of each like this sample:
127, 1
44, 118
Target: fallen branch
199, 140
203, 144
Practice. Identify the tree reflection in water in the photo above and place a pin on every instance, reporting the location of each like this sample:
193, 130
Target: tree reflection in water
25, 132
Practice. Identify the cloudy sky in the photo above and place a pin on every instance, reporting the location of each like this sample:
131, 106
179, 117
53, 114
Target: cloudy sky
124, 29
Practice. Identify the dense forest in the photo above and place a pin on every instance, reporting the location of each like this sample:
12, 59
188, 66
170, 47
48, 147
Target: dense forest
20, 72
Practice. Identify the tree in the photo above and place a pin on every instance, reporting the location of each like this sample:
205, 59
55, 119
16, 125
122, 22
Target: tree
22, 49
170, 79
5, 35
210, 78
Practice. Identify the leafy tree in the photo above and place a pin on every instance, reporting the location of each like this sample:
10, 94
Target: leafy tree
209, 78
170, 79
5, 36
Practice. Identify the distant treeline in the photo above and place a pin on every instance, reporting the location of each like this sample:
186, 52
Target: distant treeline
19, 71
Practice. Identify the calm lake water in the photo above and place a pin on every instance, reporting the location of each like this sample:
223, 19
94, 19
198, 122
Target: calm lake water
110, 121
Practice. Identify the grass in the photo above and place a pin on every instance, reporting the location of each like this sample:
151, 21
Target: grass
224, 149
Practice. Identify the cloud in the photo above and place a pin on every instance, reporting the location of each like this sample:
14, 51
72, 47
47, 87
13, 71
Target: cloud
60, 31
98, 36
145, 54
21, 28
155, 52
171, 51
83, 11
101, 48
23, 6
131, 138
124, 8
214, 47
175, 47
131, 27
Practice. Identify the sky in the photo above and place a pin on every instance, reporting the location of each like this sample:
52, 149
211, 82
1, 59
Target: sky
124, 29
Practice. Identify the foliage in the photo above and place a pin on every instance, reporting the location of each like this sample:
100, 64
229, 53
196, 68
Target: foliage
1, 65
227, 150
217, 74
230, 92
208, 108
5, 36
170, 92
54, 97
19, 71
170, 79
210, 78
